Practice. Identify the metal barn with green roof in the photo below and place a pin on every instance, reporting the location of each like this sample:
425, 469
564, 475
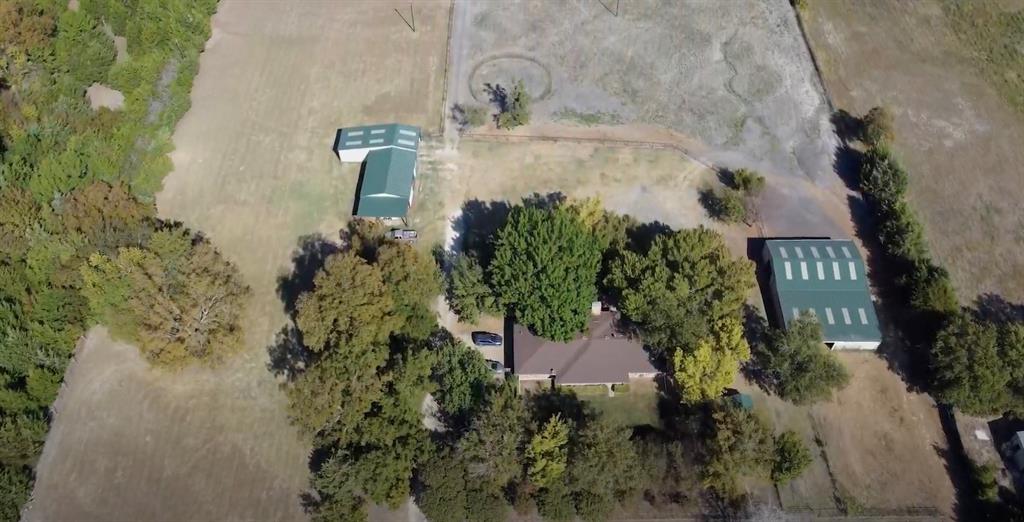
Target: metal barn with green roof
388, 154
828, 279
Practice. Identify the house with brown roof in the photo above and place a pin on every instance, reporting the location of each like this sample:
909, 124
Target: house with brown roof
603, 355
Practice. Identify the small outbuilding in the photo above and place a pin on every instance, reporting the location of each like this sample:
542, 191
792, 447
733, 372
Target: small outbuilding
828, 279
388, 154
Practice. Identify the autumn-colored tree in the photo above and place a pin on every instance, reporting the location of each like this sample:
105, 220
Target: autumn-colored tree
108, 216
178, 299
702, 372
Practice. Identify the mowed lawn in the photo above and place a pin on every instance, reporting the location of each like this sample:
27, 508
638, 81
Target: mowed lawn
636, 407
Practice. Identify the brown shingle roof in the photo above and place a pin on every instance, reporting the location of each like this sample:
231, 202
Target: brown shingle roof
602, 356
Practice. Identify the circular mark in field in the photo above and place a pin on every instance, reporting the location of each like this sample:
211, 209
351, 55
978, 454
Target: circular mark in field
505, 70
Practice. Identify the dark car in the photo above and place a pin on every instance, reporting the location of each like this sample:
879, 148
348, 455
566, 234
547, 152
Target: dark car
496, 367
486, 339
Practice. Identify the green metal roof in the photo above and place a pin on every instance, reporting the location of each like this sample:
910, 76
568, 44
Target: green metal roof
378, 136
387, 182
827, 278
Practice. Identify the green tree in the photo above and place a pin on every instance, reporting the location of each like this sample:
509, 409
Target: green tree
548, 453
468, 293
705, 370
602, 470
414, 281
15, 488
741, 445
81, 47
179, 299
882, 177
748, 182
515, 107
791, 457
338, 491
967, 369
727, 205
799, 367
878, 127
493, 446
444, 488
109, 217
544, 268
680, 287
350, 306
462, 378
555, 503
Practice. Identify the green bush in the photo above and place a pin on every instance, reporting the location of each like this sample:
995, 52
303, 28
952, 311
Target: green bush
878, 127
515, 107
882, 177
791, 457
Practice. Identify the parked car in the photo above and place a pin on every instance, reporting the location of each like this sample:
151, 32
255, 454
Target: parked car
497, 368
403, 234
486, 339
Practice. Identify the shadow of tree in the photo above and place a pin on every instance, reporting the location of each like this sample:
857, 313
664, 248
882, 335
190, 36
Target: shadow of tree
476, 227
289, 356
757, 332
498, 96
310, 257
995, 308
557, 400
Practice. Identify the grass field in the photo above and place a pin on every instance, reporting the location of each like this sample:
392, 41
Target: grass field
637, 407
254, 171
949, 76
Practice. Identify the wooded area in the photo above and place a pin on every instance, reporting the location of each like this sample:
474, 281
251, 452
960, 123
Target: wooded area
76, 209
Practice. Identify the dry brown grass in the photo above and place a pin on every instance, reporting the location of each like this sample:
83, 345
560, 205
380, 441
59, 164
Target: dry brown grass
960, 140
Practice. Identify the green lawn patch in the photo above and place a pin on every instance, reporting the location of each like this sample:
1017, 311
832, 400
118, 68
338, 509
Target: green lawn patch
995, 36
636, 408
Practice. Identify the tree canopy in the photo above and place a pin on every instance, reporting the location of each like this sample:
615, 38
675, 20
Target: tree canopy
798, 366
178, 298
706, 369
973, 368
685, 282
545, 269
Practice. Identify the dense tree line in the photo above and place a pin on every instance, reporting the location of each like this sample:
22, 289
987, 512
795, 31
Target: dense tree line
971, 358
76, 206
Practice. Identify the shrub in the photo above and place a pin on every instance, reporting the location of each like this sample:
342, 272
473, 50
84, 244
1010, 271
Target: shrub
748, 182
798, 366
882, 177
878, 127
726, 206
515, 107
791, 457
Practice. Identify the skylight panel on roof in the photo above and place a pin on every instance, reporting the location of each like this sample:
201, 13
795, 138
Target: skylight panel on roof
846, 316
803, 270
835, 271
831, 253
799, 252
853, 270
813, 312
378, 131
821, 271
406, 132
846, 252
355, 133
353, 142
782, 252
796, 312
377, 140
407, 143
789, 270
828, 315
863, 316
814, 252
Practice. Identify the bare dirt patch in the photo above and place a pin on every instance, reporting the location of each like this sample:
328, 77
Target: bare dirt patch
254, 171
960, 140
101, 96
735, 76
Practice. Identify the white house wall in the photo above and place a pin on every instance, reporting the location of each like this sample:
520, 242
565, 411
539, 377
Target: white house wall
855, 345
